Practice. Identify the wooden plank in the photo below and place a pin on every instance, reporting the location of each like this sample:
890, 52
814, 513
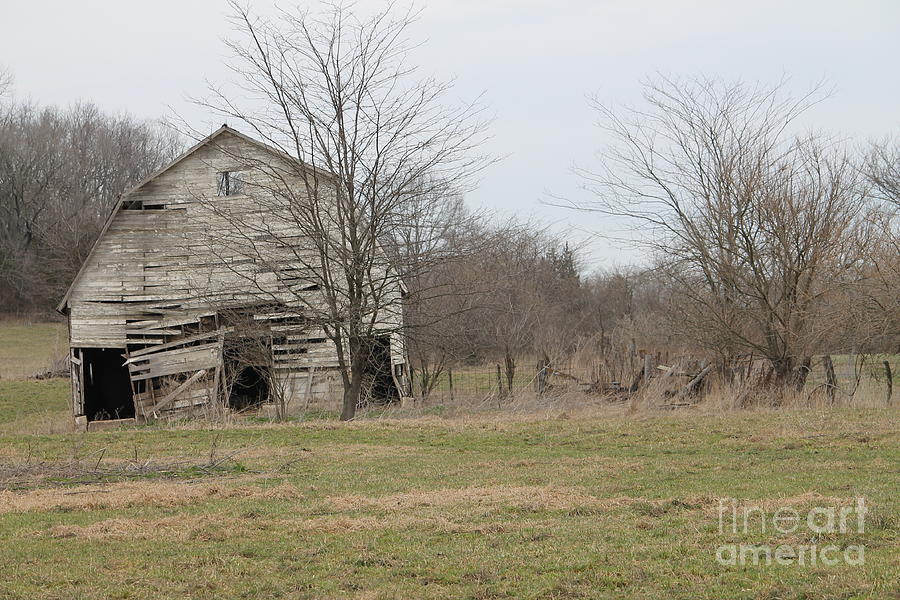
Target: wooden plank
153, 331
180, 342
170, 354
178, 367
77, 374
171, 397
168, 322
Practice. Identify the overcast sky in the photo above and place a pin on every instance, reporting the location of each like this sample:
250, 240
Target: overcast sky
536, 62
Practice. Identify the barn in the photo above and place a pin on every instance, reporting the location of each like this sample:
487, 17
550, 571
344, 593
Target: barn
159, 306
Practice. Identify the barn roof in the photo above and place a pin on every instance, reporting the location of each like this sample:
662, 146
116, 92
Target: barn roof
61, 307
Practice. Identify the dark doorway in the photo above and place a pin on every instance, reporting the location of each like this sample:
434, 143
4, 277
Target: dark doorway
378, 377
247, 375
107, 386
249, 388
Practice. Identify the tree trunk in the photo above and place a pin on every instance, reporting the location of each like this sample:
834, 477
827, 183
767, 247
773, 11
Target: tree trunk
351, 396
778, 379
353, 386
782, 371
798, 377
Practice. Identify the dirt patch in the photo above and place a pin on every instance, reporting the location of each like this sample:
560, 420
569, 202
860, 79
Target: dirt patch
126, 494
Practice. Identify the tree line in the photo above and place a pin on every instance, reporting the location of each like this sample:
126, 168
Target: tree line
61, 171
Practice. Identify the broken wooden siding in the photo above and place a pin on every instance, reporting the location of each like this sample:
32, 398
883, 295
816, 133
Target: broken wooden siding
150, 281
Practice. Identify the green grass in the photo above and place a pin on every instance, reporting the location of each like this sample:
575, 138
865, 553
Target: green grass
35, 406
433, 508
478, 382
26, 348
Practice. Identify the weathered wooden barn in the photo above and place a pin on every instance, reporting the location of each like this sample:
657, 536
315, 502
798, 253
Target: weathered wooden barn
148, 338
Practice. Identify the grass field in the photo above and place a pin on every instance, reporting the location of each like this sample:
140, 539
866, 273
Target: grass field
486, 508
591, 504
26, 348
29, 407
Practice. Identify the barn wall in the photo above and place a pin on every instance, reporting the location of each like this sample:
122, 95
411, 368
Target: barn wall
157, 270
325, 393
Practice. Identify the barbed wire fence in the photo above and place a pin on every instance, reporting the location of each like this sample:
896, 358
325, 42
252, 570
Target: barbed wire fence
837, 378
492, 383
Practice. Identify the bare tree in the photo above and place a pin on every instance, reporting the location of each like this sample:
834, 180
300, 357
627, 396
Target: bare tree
60, 174
756, 231
6, 83
368, 140
882, 167
881, 273
437, 225
515, 293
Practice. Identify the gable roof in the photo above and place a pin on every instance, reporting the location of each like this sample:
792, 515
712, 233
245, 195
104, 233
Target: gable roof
125, 195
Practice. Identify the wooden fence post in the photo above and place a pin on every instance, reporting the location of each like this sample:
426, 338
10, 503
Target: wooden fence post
830, 378
648, 369
450, 380
694, 385
890, 381
540, 380
499, 383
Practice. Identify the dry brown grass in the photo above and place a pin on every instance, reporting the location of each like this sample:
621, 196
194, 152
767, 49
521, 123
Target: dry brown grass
453, 511
217, 528
529, 498
137, 493
525, 496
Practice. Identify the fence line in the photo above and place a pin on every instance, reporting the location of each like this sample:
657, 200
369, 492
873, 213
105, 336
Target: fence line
836, 376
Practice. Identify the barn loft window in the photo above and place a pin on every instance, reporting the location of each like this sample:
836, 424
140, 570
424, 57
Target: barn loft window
231, 183
141, 205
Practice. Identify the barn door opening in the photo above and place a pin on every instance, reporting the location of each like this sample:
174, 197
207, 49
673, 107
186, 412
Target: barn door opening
378, 379
247, 370
106, 385
250, 387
